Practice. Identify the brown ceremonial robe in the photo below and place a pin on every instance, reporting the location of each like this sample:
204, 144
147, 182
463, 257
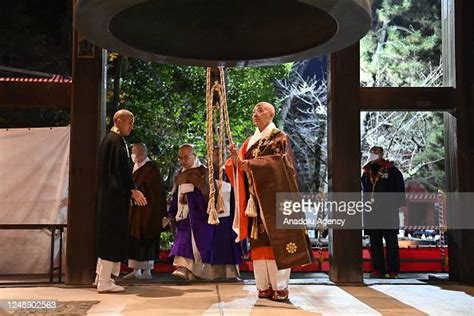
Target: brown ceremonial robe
272, 170
195, 176
145, 221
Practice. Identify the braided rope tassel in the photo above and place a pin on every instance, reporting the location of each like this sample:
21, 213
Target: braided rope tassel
223, 131
224, 105
211, 207
220, 142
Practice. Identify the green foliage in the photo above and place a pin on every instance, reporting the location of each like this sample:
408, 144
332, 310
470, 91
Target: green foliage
404, 46
166, 240
404, 49
169, 104
246, 87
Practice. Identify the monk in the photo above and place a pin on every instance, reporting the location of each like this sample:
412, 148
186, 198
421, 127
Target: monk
145, 221
262, 167
116, 192
192, 246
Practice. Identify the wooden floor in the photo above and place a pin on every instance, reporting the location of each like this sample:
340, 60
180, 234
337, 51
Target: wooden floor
407, 296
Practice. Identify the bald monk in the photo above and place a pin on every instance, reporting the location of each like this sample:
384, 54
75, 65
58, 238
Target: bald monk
116, 190
261, 168
193, 241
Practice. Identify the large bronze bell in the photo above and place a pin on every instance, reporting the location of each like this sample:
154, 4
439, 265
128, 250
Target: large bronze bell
223, 32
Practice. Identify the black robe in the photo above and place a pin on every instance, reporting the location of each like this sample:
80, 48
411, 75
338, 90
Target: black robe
113, 204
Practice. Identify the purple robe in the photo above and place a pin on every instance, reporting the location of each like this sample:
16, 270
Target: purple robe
197, 222
224, 248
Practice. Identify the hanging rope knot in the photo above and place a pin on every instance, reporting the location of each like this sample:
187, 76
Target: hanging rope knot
217, 87
211, 211
216, 206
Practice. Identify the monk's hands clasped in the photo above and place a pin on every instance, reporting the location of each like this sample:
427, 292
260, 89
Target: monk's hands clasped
243, 164
138, 198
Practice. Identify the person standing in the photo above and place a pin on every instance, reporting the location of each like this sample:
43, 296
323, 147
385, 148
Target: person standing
145, 221
193, 240
115, 192
262, 167
383, 184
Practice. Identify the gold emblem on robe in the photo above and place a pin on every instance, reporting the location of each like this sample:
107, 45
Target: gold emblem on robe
291, 247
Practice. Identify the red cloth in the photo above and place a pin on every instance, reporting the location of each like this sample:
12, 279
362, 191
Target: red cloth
262, 253
241, 226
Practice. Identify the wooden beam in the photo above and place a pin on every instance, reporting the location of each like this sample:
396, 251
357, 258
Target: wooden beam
345, 248
87, 130
408, 99
25, 72
458, 48
35, 94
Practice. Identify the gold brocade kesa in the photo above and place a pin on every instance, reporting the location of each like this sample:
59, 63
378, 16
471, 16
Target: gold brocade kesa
272, 170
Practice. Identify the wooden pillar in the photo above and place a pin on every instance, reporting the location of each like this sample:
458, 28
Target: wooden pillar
345, 248
458, 53
87, 130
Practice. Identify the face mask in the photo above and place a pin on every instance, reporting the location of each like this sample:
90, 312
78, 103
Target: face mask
134, 158
374, 157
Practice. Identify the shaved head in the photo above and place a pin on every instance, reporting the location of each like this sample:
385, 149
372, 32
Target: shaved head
187, 147
123, 120
140, 148
186, 155
263, 114
268, 106
122, 114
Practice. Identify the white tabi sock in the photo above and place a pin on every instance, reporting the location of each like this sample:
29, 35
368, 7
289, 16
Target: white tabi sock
260, 272
278, 278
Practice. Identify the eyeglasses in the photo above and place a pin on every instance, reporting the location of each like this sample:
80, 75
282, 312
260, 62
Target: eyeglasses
187, 157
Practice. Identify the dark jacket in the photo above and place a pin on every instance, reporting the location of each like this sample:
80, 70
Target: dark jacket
383, 184
113, 203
